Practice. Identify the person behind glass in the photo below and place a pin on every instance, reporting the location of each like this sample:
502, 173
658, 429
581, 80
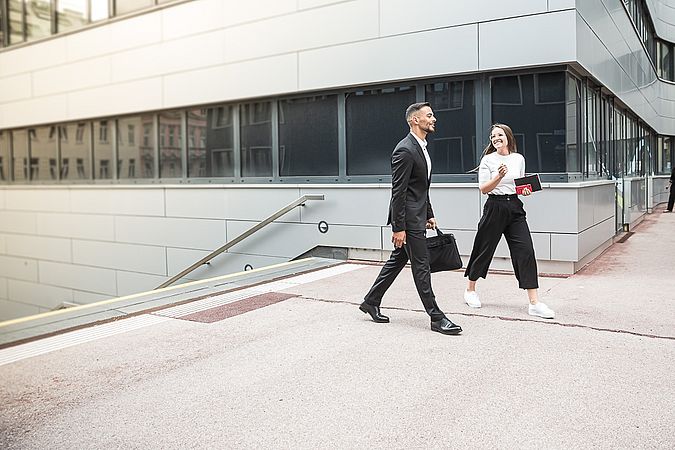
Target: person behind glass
503, 214
410, 214
671, 197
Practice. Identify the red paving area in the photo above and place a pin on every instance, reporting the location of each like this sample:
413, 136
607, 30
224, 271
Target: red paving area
239, 307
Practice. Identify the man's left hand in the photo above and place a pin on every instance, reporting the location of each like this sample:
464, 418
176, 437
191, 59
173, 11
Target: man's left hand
431, 223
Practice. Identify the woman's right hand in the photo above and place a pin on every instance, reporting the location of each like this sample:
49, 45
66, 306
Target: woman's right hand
502, 170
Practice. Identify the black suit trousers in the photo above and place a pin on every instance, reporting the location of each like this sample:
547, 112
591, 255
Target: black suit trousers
671, 197
416, 251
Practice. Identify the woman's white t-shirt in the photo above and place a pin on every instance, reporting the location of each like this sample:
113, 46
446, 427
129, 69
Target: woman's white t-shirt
489, 168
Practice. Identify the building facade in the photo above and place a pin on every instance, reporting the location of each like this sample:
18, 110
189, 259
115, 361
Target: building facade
138, 135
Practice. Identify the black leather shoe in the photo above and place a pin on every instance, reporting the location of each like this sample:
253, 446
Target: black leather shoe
374, 312
445, 326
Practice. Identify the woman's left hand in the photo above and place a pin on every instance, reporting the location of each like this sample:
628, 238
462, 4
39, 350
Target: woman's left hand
526, 191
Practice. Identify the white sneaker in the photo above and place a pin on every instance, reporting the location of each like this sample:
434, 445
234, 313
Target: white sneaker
541, 310
471, 299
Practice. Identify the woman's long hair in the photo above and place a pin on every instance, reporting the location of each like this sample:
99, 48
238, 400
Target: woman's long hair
513, 147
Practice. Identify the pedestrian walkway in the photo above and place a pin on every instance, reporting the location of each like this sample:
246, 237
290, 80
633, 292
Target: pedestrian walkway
295, 364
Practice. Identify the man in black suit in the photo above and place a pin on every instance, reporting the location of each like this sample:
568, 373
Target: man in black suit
410, 214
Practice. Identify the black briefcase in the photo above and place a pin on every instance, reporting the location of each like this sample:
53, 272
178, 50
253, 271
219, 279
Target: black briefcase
443, 252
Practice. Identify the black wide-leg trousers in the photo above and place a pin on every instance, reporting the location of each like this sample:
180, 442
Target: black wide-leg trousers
504, 214
416, 251
671, 197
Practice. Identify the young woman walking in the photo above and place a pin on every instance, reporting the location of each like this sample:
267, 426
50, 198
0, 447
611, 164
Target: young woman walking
503, 214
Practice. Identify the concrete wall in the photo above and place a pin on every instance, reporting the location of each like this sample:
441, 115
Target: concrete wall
663, 15
85, 243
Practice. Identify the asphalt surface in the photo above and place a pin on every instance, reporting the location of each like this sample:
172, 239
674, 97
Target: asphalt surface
309, 370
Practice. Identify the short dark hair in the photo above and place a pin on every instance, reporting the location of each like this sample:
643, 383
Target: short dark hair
412, 109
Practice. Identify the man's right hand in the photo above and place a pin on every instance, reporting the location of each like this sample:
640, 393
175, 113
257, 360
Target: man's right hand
398, 238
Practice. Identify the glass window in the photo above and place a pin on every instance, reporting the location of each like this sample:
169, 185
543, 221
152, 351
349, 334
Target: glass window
16, 22
170, 154
452, 146
71, 14
76, 151
42, 154
4, 156
99, 10
664, 163
542, 125
38, 19
2, 26
375, 122
136, 158
103, 150
127, 6
308, 136
256, 139
665, 60
20, 154
211, 143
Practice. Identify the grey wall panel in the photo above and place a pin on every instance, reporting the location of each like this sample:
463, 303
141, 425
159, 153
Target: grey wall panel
48, 297
38, 247
186, 233
518, 42
33, 57
82, 297
663, 15
15, 87
140, 201
129, 283
209, 204
13, 310
561, 4
321, 28
206, 15
290, 240
363, 206
354, 63
72, 77
39, 199
92, 279
595, 236
18, 222
552, 211
3, 288
441, 14
83, 226
19, 268
223, 264
586, 207
604, 203
565, 247
130, 257
456, 208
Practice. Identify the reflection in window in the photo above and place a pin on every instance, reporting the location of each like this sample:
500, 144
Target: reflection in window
375, 122
665, 60
4, 156
103, 151
664, 162
20, 155
16, 21
136, 159
2, 30
532, 119
452, 146
256, 139
210, 142
72, 14
38, 19
126, 6
308, 136
79, 150
171, 129
42, 149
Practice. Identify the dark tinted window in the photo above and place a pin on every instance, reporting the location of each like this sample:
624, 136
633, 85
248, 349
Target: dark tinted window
308, 136
375, 124
20, 154
256, 139
452, 146
4, 156
136, 147
542, 125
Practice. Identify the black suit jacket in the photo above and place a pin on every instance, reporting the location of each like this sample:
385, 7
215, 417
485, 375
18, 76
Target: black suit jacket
410, 207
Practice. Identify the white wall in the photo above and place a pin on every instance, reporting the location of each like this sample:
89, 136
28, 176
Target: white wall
84, 243
208, 51
663, 14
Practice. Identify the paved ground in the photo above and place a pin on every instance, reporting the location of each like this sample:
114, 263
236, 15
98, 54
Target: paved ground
310, 371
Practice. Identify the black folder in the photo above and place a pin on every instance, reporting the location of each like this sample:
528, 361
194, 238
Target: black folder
532, 180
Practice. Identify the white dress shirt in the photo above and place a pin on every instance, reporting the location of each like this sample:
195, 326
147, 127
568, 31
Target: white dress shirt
423, 144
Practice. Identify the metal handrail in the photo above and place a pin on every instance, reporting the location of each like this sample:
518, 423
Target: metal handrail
299, 202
